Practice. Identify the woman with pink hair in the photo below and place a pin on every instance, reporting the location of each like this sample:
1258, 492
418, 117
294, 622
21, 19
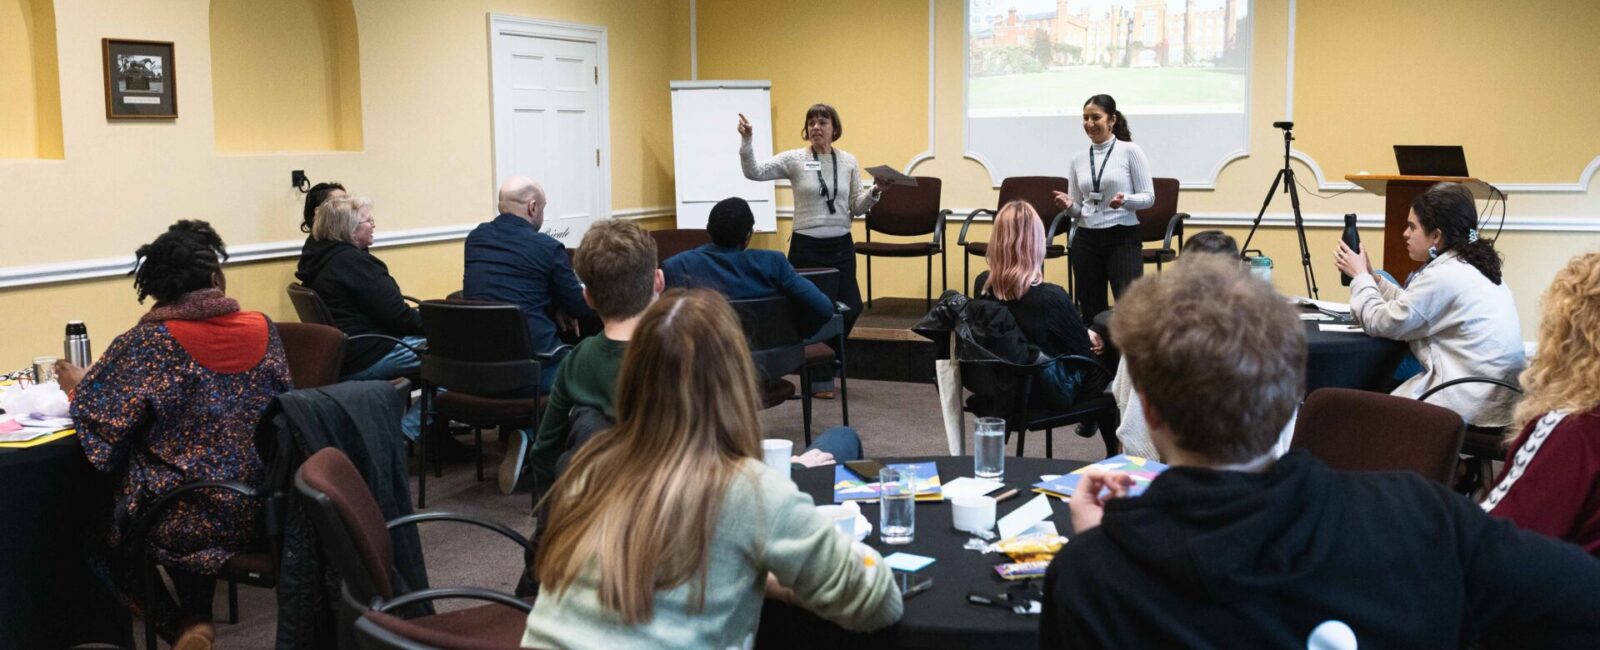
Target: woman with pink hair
1044, 312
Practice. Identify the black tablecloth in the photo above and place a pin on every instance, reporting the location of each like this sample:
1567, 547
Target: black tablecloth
1350, 360
940, 617
49, 495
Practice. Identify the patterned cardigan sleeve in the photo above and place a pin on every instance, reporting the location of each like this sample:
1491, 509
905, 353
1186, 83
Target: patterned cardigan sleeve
110, 405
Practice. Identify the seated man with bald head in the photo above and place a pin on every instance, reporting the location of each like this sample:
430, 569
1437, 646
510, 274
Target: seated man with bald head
508, 260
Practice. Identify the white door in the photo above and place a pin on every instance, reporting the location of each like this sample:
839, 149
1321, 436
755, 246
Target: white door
549, 118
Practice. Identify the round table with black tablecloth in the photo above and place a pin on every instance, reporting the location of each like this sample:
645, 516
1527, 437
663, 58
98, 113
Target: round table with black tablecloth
49, 498
940, 617
1350, 359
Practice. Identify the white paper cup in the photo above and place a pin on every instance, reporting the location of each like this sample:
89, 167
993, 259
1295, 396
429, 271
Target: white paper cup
776, 453
842, 517
972, 513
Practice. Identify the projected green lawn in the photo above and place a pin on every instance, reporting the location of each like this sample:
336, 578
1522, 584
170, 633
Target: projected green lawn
1150, 89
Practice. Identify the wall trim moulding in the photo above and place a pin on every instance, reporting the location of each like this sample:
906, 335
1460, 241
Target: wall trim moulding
106, 267
1573, 224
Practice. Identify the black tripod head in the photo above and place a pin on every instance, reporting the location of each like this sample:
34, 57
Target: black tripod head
1288, 130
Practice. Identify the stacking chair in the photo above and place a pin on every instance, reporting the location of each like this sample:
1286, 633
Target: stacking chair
1361, 430
1481, 445
355, 538
309, 306
1005, 390
672, 241
1160, 222
314, 351
907, 211
778, 349
1038, 191
479, 355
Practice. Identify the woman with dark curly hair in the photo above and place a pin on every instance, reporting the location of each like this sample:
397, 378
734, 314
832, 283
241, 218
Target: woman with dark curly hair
1456, 312
172, 401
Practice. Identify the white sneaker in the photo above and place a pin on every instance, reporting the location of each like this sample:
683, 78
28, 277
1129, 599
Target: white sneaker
511, 463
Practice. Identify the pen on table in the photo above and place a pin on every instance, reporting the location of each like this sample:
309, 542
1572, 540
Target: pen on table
1005, 495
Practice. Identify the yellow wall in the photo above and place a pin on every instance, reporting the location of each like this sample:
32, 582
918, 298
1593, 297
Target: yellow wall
30, 115
286, 75
1344, 132
426, 153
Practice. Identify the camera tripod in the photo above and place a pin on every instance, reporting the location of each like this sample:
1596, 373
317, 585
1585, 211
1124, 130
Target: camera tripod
1286, 177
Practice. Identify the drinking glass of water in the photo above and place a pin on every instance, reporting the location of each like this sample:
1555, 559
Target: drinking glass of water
897, 514
989, 448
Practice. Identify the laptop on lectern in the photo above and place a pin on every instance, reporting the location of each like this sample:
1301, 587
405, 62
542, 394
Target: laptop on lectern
1430, 160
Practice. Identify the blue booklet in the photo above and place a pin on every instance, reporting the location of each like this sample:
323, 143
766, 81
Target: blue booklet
1142, 470
847, 486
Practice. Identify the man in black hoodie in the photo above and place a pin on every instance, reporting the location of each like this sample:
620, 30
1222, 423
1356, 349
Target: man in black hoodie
1233, 548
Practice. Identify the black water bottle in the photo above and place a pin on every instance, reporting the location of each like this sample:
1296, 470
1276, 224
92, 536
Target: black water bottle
1352, 239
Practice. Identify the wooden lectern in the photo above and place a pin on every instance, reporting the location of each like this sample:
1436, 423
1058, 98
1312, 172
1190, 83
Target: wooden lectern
1399, 191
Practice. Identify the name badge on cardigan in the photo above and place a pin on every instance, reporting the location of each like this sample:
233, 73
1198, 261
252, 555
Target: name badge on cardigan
811, 165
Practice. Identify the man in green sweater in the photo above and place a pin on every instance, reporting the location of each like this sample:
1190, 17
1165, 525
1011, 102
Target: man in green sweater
616, 262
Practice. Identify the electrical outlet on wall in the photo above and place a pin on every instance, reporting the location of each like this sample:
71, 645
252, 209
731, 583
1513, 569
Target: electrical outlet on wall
299, 180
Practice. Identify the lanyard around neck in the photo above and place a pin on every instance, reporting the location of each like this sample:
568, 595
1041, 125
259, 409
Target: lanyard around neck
825, 195
1093, 175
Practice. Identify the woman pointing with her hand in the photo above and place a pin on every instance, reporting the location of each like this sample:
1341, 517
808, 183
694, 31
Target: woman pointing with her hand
827, 193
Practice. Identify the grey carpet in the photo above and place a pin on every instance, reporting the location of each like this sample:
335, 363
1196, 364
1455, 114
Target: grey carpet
894, 420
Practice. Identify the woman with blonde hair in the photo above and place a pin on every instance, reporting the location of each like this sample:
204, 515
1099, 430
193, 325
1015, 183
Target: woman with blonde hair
1551, 483
664, 528
1043, 311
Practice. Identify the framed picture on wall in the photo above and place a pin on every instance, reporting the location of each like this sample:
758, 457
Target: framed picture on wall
140, 79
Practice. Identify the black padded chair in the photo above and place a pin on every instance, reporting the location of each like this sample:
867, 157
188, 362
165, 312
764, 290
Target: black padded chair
1160, 222
672, 241
1362, 430
1038, 191
906, 211
779, 350
1005, 390
309, 306
356, 539
478, 353
1483, 446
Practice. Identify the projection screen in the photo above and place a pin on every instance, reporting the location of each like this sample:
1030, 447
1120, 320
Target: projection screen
1179, 70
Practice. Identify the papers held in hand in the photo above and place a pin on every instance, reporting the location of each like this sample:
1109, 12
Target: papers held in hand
892, 175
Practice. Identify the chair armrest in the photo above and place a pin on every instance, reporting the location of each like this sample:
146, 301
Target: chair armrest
961, 238
386, 337
1172, 224
464, 519
1055, 225
472, 593
938, 228
411, 299
1469, 380
555, 355
141, 528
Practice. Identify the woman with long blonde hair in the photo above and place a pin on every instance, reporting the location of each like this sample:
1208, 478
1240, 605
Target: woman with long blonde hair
664, 529
1043, 311
1551, 482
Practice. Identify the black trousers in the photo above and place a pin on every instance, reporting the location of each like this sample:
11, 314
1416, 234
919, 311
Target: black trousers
833, 253
1102, 255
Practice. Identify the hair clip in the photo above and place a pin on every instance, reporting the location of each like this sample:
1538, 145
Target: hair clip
1472, 235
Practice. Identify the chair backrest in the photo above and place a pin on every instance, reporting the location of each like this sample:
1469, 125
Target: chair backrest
905, 211
349, 523
378, 631
315, 353
775, 340
1153, 220
309, 306
1360, 430
672, 241
479, 348
826, 279
1038, 191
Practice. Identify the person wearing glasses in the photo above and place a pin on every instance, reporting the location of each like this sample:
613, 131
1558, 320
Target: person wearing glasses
827, 193
359, 292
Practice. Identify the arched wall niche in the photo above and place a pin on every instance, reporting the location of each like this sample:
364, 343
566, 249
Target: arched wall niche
30, 81
286, 76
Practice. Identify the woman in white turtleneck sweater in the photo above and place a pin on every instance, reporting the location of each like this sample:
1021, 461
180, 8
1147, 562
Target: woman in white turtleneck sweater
1110, 183
827, 193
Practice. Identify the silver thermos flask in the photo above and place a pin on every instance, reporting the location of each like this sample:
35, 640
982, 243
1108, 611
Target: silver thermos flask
76, 345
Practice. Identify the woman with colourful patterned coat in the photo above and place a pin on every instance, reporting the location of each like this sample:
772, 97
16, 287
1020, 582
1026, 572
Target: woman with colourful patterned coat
172, 401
